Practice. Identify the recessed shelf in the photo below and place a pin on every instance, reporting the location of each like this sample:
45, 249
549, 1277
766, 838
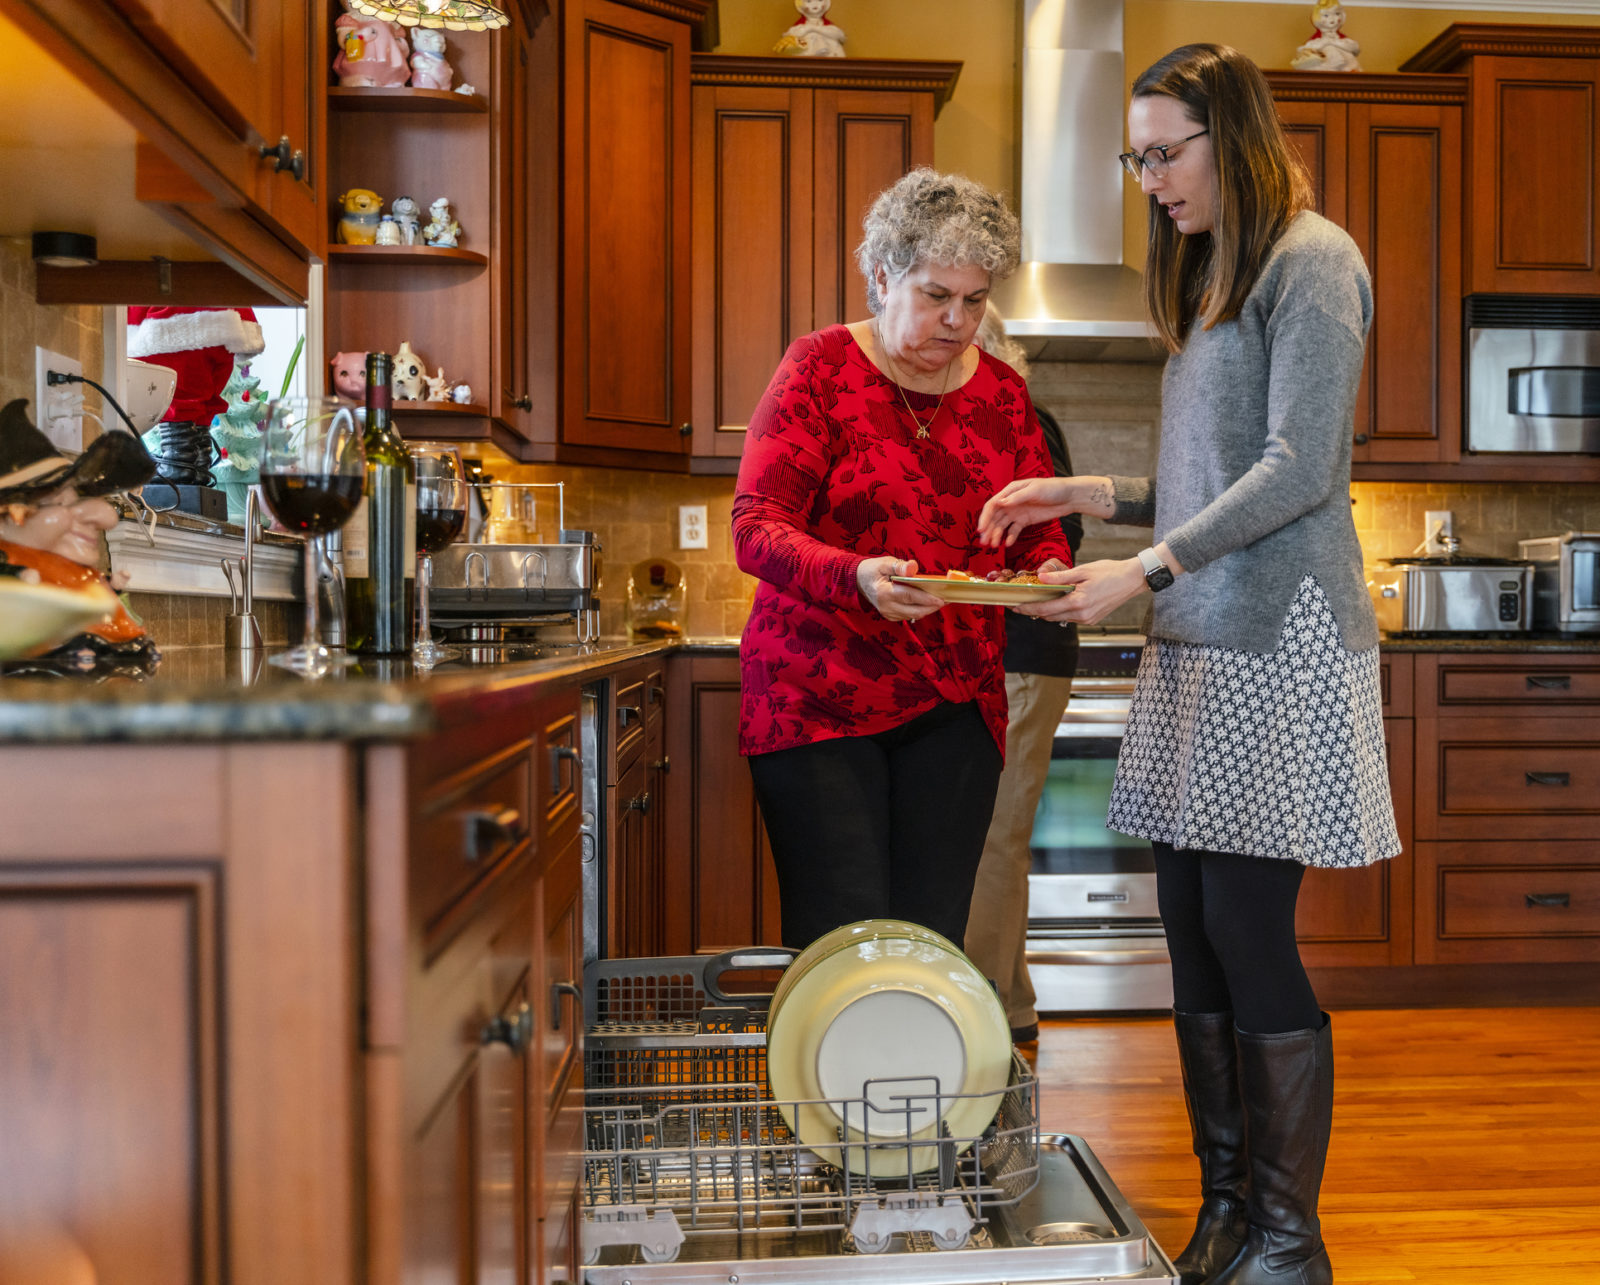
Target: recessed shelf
393, 254
404, 99
439, 408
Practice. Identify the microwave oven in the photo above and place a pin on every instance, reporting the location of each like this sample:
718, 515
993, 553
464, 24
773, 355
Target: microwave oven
1533, 374
1566, 581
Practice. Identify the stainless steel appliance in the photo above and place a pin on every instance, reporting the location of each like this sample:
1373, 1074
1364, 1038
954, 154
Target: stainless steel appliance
1452, 595
1095, 941
1533, 374
1566, 581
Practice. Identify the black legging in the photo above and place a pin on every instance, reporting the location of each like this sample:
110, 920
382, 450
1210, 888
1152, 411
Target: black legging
883, 826
1230, 931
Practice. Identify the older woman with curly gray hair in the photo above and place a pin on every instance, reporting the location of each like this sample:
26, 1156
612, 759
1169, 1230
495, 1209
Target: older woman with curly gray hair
873, 710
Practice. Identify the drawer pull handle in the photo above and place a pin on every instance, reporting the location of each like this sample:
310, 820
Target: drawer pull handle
557, 990
1562, 899
1551, 682
557, 753
638, 803
1548, 778
486, 829
513, 1032
627, 714
655, 693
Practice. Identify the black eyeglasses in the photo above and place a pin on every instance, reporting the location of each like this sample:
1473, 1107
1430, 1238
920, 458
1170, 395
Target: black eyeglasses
1157, 159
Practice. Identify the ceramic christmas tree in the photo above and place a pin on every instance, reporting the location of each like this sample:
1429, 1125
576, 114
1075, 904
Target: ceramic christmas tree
237, 433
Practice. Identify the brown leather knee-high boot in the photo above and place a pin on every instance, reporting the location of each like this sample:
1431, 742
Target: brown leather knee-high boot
1209, 1058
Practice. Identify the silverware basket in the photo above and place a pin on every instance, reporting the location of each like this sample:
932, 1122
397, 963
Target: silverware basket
683, 1138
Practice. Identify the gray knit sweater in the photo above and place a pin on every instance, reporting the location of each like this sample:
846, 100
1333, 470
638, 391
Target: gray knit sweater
1252, 488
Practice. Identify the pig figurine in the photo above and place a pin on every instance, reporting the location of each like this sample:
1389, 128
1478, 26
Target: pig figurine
372, 53
409, 374
406, 214
349, 370
358, 225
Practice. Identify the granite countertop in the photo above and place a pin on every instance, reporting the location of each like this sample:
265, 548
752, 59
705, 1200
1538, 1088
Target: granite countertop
1503, 644
205, 694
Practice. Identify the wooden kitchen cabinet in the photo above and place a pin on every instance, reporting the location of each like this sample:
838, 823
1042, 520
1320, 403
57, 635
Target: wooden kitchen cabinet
1384, 154
208, 87
636, 877
1533, 167
788, 155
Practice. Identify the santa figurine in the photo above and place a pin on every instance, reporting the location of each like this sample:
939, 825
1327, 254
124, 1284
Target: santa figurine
199, 345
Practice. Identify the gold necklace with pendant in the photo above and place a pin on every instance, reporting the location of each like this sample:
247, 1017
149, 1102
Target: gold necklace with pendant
923, 429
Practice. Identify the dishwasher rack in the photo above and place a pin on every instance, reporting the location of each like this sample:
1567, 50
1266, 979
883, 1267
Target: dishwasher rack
683, 1140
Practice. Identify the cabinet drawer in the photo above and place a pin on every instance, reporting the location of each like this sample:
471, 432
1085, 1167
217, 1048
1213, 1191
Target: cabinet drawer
1395, 672
467, 829
1549, 685
1504, 778
1519, 901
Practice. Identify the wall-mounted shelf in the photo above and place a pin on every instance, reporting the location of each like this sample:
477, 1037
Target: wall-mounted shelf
439, 408
406, 254
404, 99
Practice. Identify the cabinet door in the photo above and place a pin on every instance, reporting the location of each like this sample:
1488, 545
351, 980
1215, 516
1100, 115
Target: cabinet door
1364, 916
627, 245
1535, 175
1405, 214
561, 1068
1317, 131
864, 142
627, 890
293, 200
752, 250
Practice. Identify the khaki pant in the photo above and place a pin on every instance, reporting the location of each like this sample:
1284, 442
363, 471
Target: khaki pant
997, 928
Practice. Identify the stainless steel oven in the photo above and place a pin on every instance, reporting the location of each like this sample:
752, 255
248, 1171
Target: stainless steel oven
1094, 934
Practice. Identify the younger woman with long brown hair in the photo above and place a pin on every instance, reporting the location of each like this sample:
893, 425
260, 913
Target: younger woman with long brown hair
1254, 745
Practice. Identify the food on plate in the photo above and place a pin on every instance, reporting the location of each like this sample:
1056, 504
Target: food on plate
1007, 576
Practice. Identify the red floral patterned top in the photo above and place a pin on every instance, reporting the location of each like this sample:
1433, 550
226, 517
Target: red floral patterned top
833, 473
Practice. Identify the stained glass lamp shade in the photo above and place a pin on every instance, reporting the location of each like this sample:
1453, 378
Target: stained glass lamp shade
453, 15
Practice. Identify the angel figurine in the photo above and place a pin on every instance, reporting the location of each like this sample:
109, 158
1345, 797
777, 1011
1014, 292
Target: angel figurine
815, 35
1329, 49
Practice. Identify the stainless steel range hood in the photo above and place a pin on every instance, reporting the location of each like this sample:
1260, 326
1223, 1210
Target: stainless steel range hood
1073, 298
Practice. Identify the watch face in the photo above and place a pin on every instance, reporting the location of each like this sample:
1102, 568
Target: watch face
1159, 578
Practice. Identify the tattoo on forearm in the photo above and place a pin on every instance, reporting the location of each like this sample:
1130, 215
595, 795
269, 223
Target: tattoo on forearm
1102, 496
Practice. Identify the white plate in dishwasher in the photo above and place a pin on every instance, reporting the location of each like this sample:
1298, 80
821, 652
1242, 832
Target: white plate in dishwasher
884, 1030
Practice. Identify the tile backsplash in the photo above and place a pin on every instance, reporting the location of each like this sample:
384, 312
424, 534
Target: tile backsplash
73, 331
1487, 517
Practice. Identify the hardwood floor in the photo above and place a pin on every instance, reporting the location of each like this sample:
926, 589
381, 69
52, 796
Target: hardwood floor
1466, 1142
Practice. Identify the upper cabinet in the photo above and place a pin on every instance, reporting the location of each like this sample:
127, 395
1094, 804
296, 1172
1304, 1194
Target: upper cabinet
788, 155
625, 232
1533, 164
1384, 153
227, 99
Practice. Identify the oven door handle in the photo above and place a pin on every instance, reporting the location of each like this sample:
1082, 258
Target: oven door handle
1098, 957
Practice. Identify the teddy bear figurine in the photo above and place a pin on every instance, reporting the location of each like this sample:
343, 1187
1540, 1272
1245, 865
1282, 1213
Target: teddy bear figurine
407, 214
358, 225
442, 231
429, 70
409, 374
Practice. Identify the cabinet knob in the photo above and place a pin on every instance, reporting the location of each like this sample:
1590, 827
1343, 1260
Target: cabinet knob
285, 157
685, 430
524, 402
1361, 439
557, 990
513, 1032
638, 803
663, 764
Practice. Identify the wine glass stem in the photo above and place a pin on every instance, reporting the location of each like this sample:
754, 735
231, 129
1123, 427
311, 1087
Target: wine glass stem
313, 634
424, 584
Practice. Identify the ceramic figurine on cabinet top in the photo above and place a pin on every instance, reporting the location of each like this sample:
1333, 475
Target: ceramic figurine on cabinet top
815, 35
1329, 49
358, 225
408, 374
373, 54
350, 375
388, 231
438, 387
442, 230
407, 216
461, 394
429, 70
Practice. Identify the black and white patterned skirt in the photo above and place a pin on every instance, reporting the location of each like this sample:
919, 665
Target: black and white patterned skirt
1275, 755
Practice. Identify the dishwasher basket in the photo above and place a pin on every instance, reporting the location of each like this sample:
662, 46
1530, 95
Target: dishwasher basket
682, 1137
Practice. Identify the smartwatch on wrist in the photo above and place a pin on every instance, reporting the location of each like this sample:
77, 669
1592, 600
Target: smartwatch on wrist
1156, 572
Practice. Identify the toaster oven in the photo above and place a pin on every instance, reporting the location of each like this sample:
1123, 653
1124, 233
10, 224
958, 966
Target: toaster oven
1566, 581
1453, 595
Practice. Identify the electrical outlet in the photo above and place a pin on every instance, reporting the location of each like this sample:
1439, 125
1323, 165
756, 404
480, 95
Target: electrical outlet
1436, 524
58, 408
691, 526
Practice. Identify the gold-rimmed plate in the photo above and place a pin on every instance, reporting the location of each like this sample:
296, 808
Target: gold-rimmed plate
984, 593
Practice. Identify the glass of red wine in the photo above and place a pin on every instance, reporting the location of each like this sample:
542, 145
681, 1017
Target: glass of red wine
441, 513
312, 472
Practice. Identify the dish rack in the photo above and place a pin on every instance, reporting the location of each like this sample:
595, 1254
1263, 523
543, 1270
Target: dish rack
684, 1142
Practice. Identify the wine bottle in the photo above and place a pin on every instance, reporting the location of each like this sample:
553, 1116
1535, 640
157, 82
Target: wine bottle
380, 542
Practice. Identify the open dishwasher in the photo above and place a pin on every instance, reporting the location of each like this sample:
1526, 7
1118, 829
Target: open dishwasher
692, 1174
